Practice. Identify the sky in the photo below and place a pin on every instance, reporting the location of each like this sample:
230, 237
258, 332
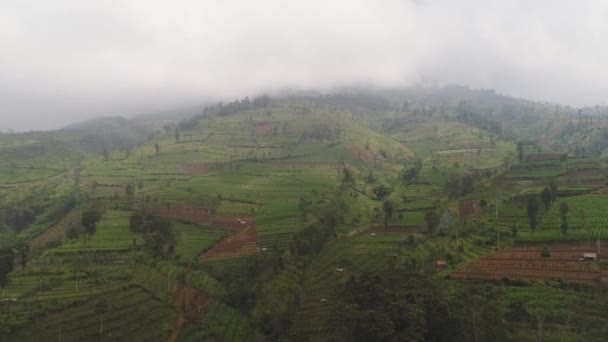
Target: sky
63, 61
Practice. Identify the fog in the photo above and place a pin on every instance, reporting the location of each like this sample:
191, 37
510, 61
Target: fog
64, 61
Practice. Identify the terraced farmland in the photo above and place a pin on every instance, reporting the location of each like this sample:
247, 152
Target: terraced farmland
528, 263
112, 234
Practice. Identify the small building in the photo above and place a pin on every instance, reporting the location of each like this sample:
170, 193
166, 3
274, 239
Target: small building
339, 270
440, 264
589, 256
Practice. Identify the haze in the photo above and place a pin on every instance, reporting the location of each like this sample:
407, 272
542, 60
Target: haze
64, 61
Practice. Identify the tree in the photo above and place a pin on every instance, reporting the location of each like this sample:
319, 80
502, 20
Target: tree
388, 212
89, 220
563, 209
156, 147
136, 222
547, 197
553, 187
129, 191
520, 151
140, 184
106, 154
177, 134
381, 192
159, 239
22, 248
6, 264
532, 211
453, 186
101, 307
347, 177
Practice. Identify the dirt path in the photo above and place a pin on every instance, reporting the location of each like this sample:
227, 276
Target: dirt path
177, 327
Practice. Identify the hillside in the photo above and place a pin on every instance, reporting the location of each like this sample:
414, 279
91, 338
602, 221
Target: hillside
273, 218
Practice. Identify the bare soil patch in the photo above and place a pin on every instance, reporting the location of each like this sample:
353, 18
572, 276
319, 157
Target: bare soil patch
242, 241
528, 263
263, 128
196, 169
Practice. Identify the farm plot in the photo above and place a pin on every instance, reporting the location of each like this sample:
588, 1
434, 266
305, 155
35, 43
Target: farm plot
200, 214
192, 239
527, 263
112, 234
587, 218
56, 232
196, 169
241, 242
132, 314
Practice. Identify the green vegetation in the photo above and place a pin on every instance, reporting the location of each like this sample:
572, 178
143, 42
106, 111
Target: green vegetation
335, 217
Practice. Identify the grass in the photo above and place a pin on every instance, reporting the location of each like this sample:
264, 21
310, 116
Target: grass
112, 234
193, 239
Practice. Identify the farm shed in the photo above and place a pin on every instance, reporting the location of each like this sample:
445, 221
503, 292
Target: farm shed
589, 256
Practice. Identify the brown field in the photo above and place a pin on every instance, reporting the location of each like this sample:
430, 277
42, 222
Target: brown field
263, 128
543, 156
469, 208
360, 153
196, 169
331, 166
527, 263
56, 232
241, 242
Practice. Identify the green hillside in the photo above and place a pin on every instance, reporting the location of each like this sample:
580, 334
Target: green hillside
306, 218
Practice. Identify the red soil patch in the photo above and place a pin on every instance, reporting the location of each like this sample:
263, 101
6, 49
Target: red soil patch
543, 156
192, 303
263, 128
200, 214
527, 263
308, 166
468, 208
360, 153
241, 242
196, 169
406, 150
56, 232
583, 173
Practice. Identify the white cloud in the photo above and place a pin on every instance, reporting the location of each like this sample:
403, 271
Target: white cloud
66, 60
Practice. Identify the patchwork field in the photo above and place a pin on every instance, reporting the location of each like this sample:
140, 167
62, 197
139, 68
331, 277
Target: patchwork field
563, 262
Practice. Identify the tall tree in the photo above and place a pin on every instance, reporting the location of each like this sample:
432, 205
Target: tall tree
563, 209
6, 264
388, 212
532, 210
89, 220
520, 151
547, 197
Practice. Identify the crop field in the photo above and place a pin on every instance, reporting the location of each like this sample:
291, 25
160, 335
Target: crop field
241, 242
587, 219
56, 232
527, 263
112, 234
219, 323
200, 214
132, 314
193, 239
